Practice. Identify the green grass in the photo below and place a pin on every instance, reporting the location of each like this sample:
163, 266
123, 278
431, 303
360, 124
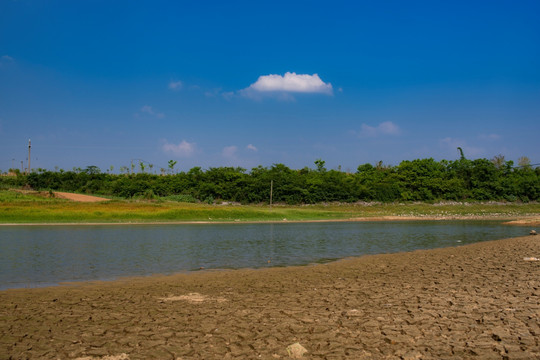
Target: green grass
23, 208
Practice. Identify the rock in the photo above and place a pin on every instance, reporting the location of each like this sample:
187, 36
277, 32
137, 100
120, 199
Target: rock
531, 259
296, 351
412, 355
533, 232
353, 313
122, 356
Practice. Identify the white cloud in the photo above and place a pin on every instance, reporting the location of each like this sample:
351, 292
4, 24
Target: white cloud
384, 128
215, 92
229, 151
148, 110
448, 141
228, 95
290, 82
5, 60
175, 85
183, 149
252, 148
491, 137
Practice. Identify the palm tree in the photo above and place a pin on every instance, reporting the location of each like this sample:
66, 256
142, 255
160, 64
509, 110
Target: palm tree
171, 165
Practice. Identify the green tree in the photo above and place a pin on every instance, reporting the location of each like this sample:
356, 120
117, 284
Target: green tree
320, 165
92, 169
172, 163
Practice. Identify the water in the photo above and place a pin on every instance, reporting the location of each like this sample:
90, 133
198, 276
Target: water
33, 256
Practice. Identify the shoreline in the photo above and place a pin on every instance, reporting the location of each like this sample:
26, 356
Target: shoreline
532, 220
113, 278
474, 300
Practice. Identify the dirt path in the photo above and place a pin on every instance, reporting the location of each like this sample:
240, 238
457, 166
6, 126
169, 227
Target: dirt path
78, 197
480, 301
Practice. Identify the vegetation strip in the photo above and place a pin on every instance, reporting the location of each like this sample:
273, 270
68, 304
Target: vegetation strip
417, 180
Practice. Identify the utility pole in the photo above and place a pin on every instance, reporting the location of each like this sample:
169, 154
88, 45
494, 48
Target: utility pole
29, 147
271, 191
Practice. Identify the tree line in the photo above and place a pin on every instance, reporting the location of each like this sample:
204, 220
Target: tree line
416, 180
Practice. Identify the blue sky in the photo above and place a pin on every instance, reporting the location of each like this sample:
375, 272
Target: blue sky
246, 83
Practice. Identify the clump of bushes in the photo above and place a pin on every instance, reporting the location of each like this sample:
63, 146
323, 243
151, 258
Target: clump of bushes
424, 180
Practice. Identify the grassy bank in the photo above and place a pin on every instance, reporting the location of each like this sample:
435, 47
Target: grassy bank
25, 208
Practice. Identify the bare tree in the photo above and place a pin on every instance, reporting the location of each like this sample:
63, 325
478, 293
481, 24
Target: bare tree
524, 162
498, 161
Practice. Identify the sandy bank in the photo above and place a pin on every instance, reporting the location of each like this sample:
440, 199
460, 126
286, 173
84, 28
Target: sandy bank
533, 221
79, 197
480, 300
523, 221
62, 195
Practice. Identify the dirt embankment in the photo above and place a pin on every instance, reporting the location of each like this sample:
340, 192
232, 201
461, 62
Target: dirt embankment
78, 197
61, 195
476, 301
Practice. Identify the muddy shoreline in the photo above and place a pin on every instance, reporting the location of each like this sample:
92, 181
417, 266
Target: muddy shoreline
474, 301
533, 220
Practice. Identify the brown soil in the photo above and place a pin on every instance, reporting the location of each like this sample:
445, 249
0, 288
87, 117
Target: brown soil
61, 195
477, 301
78, 197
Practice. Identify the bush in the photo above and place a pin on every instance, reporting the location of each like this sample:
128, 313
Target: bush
149, 195
186, 198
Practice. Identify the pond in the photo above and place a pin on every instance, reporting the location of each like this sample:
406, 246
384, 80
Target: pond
32, 256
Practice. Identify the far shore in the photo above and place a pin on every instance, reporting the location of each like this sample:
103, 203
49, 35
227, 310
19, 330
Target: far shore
28, 209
